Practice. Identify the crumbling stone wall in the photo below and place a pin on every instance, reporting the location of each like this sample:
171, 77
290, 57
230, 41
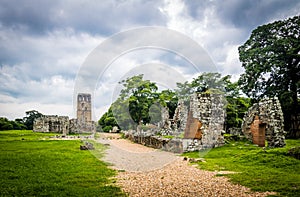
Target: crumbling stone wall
165, 119
62, 124
201, 125
268, 114
51, 123
180, 117
210, 110
77, 126
147, 138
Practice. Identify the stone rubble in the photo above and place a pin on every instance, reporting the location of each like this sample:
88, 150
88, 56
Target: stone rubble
87, 146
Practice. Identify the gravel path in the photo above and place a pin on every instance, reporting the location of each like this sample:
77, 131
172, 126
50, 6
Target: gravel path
145, 171
130, 157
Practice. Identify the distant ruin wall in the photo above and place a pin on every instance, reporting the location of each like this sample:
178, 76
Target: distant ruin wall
52, 124
82, 127
62, 124
269, 120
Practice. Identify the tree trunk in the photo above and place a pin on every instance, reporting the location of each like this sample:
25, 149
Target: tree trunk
295, 122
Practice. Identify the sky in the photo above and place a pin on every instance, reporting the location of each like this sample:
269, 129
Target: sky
45, 46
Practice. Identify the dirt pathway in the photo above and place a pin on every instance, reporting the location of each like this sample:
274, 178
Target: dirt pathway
145, 171
130, 157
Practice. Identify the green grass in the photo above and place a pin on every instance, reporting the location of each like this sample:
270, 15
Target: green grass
259, 169
168, 136
33, 165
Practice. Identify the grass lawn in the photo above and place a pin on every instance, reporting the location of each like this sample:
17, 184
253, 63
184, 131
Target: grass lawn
260, 170
33, 165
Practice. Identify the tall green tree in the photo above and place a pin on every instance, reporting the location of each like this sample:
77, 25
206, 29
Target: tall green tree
107, 121
29, 118
206, 82
142, 96
271, 60
169, 99
133, 104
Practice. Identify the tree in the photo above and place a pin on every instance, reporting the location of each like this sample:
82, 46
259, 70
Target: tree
211, 83
141, 95
30, 116
132, 107
169, 99
206, 82
235, 111
107, 121
6, 124
271, 60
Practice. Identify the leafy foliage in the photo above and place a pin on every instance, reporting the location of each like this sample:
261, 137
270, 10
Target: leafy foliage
235, 110
30, 116
107, 121
20, 124
207, 83
6, 124
271, 59
140, 103
169, 99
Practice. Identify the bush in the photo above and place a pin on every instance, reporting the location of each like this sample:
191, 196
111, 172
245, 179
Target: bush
295, 152
6, 124
107, 128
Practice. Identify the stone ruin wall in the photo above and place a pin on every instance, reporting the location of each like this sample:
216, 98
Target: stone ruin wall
208, 110
51, 123
180, 117
62, 124
201, 125
77, 126
268, 114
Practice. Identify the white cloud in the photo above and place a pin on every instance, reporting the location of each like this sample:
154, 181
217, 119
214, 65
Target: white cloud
216, 38
13, 110
43, 76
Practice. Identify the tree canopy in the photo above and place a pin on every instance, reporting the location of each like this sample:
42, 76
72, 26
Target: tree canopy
30, 116
136, 105
6, 124
20, 123
140, 102
271, 60
205, 82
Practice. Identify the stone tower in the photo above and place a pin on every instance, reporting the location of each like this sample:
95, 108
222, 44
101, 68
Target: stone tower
84, 108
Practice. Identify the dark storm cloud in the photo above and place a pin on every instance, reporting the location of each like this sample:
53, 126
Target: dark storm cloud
245, 14
95, 17
30, 15
251, 13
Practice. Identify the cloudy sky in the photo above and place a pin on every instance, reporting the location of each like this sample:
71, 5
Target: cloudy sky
44, 45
